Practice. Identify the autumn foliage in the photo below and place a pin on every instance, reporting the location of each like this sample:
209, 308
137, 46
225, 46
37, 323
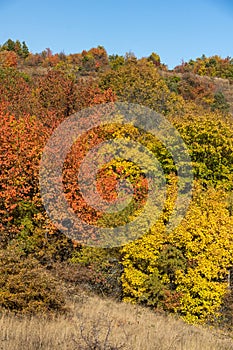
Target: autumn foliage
185, 271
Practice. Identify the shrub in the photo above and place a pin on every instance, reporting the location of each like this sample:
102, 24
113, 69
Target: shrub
25, 286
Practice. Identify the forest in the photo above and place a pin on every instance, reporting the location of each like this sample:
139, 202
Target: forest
186, 272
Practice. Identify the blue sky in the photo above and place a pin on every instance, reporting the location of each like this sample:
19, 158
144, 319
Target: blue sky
175, 29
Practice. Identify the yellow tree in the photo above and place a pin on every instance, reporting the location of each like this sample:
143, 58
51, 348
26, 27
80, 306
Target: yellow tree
206, 240
184, 271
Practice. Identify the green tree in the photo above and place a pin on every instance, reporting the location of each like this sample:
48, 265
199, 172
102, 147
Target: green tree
116, 61
140, 82
220, 102
25, 50
209, 138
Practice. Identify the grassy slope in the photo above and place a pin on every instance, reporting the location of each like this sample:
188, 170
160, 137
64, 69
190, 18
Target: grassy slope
102, 324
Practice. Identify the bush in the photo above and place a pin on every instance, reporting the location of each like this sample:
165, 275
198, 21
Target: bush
25, 286
99, 268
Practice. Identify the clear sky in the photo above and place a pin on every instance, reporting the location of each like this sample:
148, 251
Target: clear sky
175, 29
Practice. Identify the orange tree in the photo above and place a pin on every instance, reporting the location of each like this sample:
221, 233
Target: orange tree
15, 91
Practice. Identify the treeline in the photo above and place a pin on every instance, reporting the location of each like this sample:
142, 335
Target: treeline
183, 272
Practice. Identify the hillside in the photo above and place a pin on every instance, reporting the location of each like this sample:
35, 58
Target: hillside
226, 87
102, 324
157, 230
222, 85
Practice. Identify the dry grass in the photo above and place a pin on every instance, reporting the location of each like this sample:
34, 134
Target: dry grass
97, 324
